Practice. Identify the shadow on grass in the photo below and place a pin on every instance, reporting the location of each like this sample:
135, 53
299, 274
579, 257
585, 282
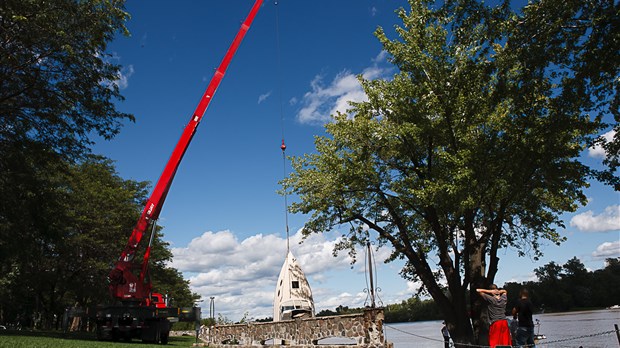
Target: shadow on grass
78, 335
183, 341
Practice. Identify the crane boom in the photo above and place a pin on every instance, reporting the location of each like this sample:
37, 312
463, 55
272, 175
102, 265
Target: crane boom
123, 283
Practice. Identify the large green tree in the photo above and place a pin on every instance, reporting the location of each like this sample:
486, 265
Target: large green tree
64, 237
64, 217
57, 83
57, 90
471, 147
87, 215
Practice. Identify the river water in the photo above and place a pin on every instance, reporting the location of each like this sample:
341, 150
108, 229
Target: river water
573, 329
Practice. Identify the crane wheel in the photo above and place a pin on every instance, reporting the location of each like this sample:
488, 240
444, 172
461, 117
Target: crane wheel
164, 337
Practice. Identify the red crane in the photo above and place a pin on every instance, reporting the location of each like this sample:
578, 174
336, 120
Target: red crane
124, 283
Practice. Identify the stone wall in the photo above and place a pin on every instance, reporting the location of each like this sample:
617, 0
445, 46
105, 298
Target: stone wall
361, 330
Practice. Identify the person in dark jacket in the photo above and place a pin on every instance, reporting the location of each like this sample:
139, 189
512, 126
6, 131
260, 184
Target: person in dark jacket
524, 310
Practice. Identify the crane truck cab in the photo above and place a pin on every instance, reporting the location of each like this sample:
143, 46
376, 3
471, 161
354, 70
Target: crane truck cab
158, 300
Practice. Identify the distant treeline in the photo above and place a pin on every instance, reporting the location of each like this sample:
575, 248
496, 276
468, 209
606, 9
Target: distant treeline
571, 286
412, 309
559, 288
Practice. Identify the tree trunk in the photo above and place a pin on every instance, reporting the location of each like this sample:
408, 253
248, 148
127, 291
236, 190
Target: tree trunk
459, 325
477, 310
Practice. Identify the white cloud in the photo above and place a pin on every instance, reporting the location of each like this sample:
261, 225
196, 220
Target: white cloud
381, 57
263, 97
520, 278
598, 151
123, 77
242, 274
222, 250
411, 289
607, 250
331, 301
609, 220
322, 101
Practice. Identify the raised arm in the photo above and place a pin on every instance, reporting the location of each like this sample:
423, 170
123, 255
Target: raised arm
492, 292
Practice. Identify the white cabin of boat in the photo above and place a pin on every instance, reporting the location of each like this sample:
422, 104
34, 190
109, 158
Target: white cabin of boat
293, 297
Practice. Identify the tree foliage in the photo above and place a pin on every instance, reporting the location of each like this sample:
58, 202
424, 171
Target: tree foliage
60, 251
471, 147
56, 92
57, 83
64, 215
571, 286
77, 229
412, 309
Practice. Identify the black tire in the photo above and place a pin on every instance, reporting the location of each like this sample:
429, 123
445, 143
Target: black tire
151, 333
115, 335
100, 335
164, 337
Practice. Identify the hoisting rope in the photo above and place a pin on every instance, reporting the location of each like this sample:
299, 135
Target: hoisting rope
283, 146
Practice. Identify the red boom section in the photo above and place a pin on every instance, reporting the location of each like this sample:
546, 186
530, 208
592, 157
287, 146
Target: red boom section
123, 283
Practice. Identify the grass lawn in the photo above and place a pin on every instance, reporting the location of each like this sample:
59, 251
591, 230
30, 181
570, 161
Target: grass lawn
55, 339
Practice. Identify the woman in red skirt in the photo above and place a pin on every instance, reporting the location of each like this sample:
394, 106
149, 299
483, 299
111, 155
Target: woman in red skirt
499, 333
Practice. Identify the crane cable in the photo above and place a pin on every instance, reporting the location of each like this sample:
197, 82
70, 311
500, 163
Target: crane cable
283, 146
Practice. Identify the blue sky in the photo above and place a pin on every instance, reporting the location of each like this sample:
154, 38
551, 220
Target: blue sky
223, 217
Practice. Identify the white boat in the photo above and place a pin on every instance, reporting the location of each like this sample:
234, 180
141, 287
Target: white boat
538, 336
614, 307
293, 297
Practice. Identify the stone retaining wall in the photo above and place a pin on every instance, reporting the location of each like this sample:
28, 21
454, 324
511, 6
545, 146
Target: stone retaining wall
361, 330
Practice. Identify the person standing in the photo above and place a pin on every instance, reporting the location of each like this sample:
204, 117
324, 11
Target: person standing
446, 335
524, 310
499, 333
513, 325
